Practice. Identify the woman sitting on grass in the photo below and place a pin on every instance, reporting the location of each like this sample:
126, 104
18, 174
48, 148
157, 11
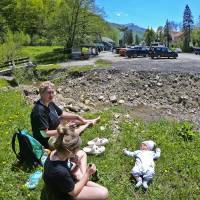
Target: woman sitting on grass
66, 174
46, 116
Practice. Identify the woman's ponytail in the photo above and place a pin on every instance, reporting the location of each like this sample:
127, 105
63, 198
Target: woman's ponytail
67, 139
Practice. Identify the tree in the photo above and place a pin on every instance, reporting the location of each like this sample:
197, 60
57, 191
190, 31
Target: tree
30, 17
167, 33
149, 36
128, 37
137, 39
8, 12
198, 23
187, 27
3, 29
160, 34
196, 37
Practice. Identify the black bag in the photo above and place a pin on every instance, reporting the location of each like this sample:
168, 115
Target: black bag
30, 150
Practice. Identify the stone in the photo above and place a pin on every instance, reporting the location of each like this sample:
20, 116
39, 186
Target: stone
83, 107
137, 95
73, 108
113, 99
59, 90
159, 84
116, 116
121, 101
101, 98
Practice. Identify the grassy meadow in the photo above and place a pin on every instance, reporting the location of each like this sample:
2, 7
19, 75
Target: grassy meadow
177, 170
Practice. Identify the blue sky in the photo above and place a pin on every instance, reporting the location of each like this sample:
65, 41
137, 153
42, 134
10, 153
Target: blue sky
144, 13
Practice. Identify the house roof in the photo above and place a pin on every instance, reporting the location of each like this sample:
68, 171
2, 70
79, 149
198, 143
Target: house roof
176, 35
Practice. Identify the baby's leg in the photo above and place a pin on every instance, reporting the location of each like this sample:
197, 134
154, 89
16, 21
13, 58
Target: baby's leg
148, 176
136, 173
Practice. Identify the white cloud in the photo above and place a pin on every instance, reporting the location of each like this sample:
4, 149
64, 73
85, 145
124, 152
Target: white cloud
120, 14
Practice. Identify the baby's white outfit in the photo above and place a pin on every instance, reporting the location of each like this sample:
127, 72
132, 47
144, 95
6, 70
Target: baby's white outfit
144, 165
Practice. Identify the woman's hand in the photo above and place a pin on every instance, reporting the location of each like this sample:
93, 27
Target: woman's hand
91, 169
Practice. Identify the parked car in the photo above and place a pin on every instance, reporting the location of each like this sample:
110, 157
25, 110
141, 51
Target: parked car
160, 52
137, 51
197, 50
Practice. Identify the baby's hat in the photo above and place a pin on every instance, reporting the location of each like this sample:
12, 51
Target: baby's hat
150, 144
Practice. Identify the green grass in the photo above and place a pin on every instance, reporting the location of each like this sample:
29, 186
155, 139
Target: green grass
177, 170
48, 67
3, 83
78, 69
44, 54
34, 51
103, 63
45, 72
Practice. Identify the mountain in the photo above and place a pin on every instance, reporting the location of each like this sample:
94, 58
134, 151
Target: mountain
136, 29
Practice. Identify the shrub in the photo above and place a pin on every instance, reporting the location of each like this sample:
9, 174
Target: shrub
185, 131
23, 74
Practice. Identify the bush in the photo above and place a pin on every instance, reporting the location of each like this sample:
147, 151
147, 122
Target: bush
24, 74
186, 131
10, 49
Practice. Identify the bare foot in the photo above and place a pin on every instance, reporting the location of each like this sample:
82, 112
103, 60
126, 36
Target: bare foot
94, 121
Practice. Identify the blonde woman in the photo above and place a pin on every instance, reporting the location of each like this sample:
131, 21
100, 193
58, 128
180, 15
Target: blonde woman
46, 115
70, 181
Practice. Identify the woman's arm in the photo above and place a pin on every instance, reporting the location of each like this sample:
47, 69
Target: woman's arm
80, 184
71, 116
48, 133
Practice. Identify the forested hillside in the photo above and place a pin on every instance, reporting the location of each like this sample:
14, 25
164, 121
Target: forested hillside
50, 22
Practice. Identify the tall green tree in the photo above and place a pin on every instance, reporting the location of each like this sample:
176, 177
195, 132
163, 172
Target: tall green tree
137, 39
128, 37
167, 33
149, 36
30, 14
196, 37
187, 27
160, 34
9, 14
71, 20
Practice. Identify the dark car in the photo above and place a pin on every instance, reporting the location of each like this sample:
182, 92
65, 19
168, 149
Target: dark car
162, 52
137, 51
197, 50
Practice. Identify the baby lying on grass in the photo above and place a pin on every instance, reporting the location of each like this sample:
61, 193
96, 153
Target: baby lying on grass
143, 171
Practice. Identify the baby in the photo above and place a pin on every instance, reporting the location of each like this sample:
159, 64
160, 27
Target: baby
143, 170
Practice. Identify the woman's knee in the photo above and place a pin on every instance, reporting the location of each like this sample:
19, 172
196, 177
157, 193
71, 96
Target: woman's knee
104, 193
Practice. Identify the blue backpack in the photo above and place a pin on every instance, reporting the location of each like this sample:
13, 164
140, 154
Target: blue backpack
30, 150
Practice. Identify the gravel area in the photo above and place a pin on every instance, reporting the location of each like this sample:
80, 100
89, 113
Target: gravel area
186, 63
151, 89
